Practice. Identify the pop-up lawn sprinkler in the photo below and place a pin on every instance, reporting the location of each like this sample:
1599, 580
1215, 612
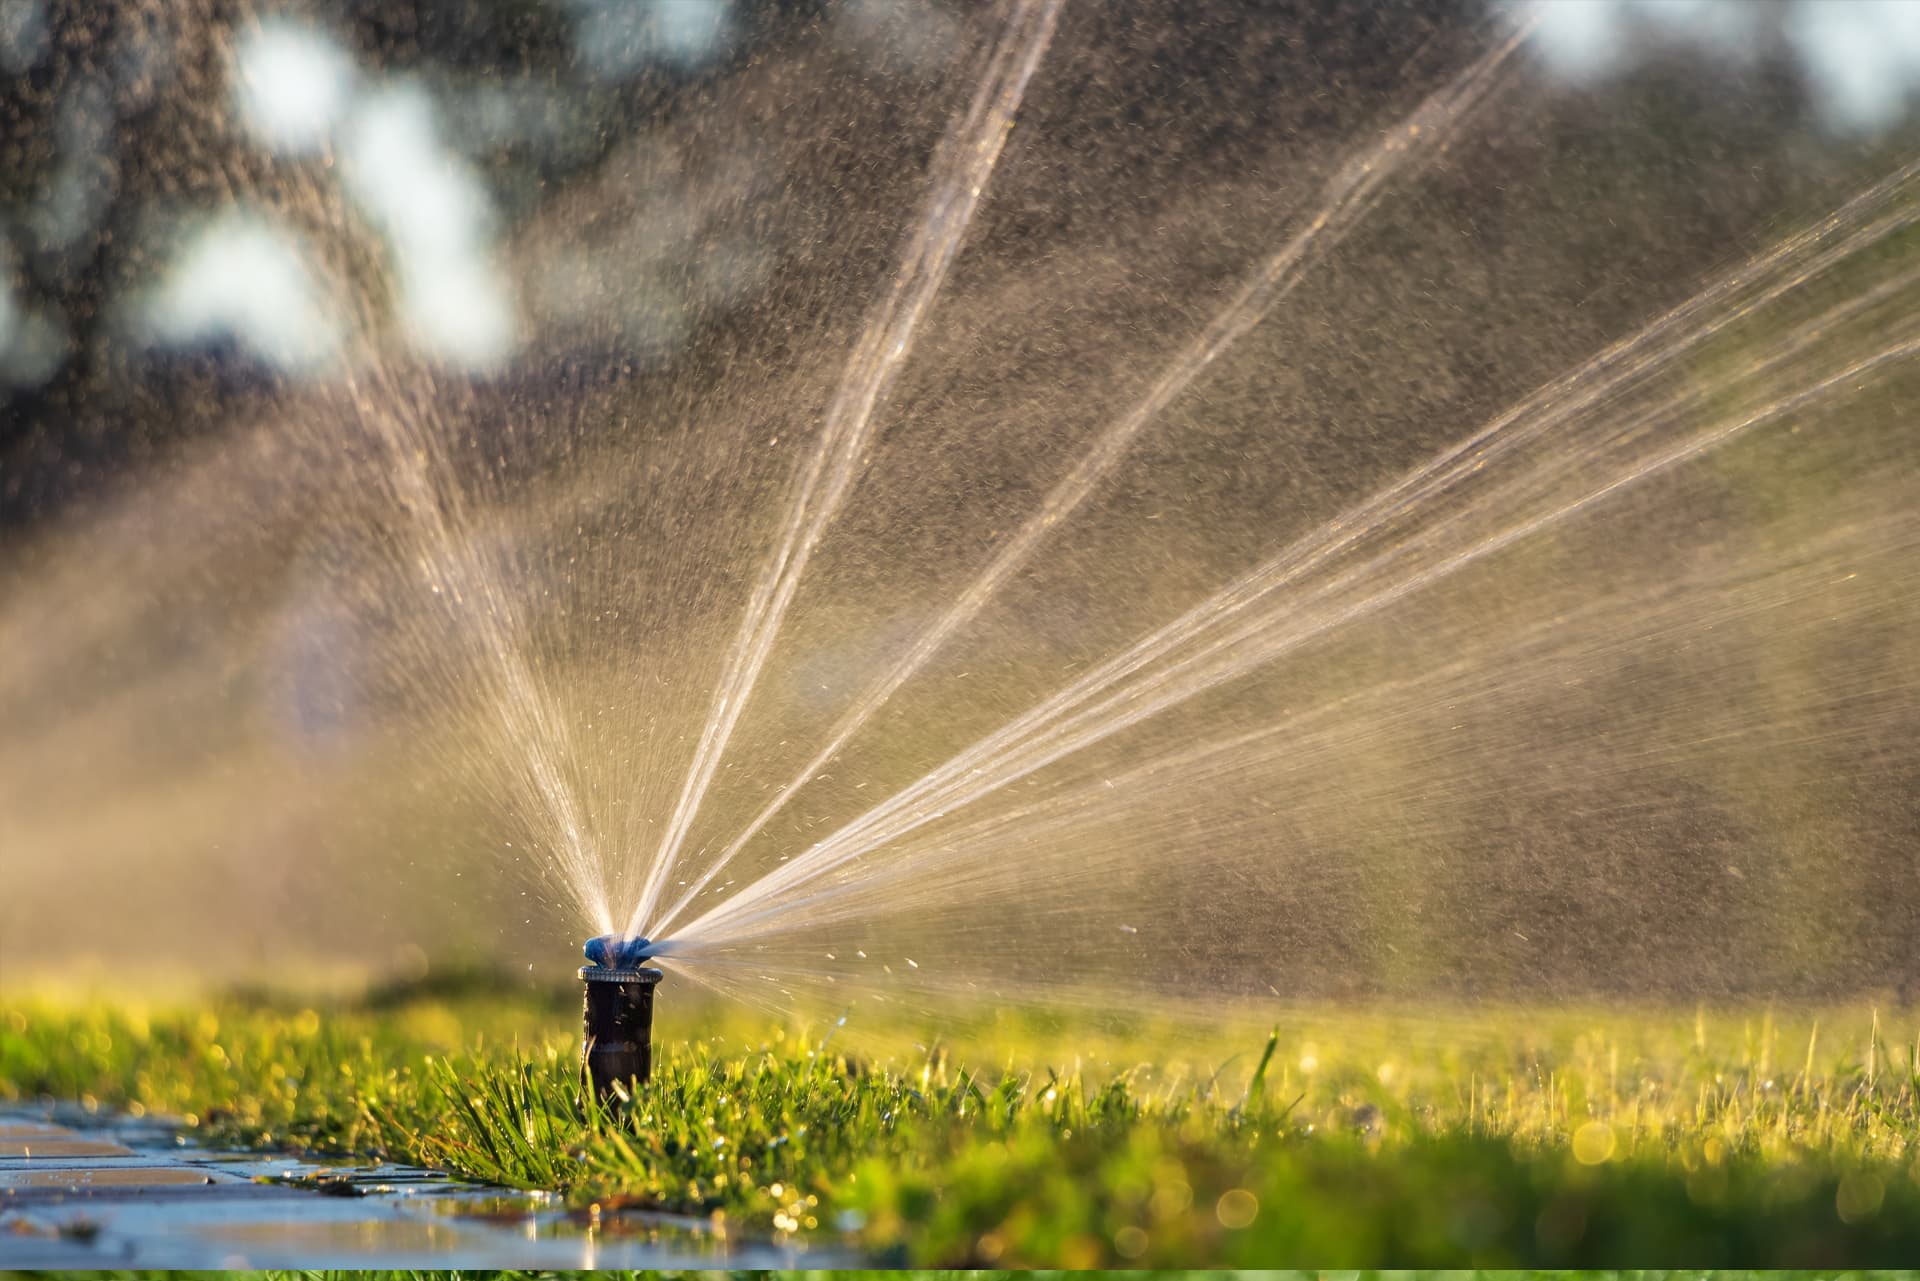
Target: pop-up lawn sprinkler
619, 1012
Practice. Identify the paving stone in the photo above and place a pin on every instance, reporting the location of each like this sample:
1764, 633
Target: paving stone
138, 1161
77, 1199
77, 1180
16, 1129
55, 1146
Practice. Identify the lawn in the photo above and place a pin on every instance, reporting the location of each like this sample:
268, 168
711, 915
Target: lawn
942, 1275
1334, 1138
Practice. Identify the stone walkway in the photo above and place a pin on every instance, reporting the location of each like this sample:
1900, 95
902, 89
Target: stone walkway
86, 1191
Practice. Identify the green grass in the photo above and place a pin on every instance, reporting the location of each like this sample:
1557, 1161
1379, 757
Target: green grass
949, 1275
1344, 1140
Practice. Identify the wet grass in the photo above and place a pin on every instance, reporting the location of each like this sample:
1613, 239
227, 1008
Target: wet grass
956, 1275
1353, 1140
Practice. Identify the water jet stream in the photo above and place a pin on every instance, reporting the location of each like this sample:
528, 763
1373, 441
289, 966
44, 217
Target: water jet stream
1125, 708
1612, 627
1112, 715
961, 170
1055, 727
1345, 200
452, 565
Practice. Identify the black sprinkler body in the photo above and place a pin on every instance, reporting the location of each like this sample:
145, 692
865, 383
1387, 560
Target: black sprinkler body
619, 1012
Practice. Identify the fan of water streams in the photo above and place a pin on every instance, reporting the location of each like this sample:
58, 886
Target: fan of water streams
999, 503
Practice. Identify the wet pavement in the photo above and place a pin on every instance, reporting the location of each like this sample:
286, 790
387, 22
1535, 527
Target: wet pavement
91, 1190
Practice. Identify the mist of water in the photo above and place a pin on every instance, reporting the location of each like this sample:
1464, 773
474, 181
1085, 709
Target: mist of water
1470, 502
1348, 195
961, 172
1029, 542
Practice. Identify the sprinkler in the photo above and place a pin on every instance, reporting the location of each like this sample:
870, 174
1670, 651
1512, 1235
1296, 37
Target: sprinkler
619, 1012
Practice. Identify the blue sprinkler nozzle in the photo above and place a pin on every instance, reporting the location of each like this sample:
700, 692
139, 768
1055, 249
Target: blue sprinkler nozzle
618, 952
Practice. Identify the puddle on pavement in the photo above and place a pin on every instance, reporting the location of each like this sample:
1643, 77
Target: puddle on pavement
357, 1236
91, 1187
498, 1207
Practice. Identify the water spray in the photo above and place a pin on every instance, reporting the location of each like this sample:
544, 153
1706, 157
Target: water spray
618, 1015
